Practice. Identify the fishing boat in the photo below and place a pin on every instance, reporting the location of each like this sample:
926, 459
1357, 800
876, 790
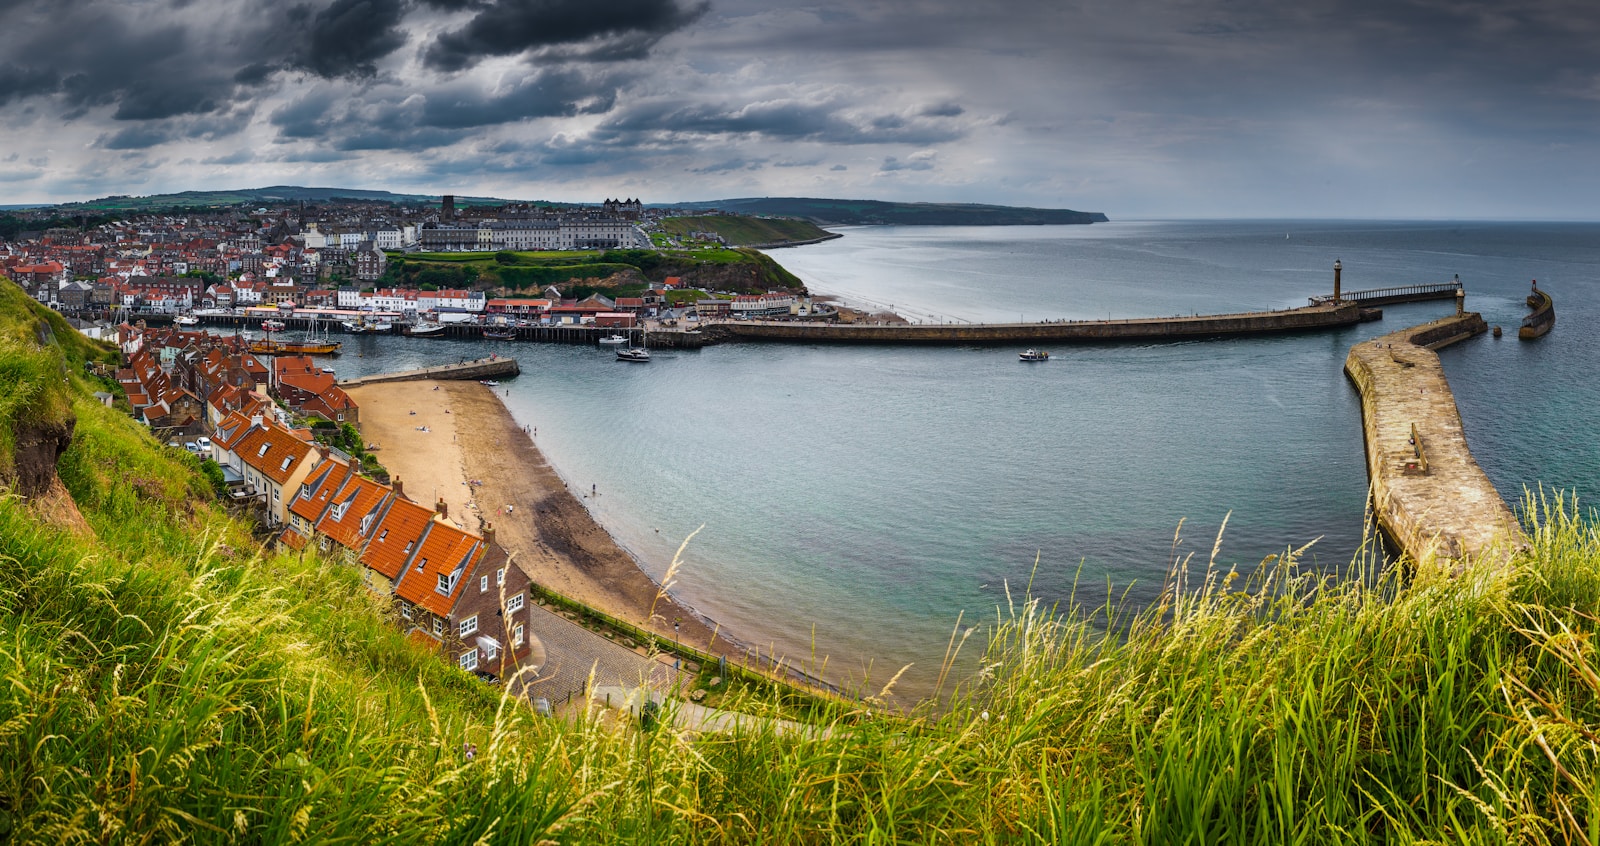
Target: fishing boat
424, 329
186, 320
312, 345
499, 333
614, 339
1033, 355
272, 325
366, 326
271, 347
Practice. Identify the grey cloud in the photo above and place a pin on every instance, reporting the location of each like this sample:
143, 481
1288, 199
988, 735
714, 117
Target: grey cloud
348, 37
17, 82
838, 168
892, 164
546, 94
729, 165
136, 138
509, 28
787, 120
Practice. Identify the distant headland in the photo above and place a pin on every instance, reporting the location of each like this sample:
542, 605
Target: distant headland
822, 212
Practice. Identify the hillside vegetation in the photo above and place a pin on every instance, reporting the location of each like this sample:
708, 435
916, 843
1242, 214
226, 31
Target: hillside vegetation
736, 270
743, 231
165, 677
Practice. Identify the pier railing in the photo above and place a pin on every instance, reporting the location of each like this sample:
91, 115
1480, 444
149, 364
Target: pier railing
1394, 296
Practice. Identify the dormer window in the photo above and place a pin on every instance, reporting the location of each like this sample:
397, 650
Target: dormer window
366, 524
444, 584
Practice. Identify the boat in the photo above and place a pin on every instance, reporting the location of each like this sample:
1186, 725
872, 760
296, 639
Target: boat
499, 333
424, 329
637, 355
186, 320
270, 347
272, 325
1034, 355
614, 339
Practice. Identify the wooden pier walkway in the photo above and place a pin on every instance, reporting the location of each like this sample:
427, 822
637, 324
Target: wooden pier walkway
1428, 493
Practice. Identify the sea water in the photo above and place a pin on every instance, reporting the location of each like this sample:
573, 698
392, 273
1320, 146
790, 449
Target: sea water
853, 502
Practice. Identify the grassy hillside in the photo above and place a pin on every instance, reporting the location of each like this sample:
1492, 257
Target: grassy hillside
164, 677
531, 271
742, 231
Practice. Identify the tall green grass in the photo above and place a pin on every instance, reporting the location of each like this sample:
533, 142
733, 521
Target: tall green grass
165, 677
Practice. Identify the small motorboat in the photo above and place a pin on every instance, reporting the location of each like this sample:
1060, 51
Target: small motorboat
638, 355
614, 339
1033, 355
272, 325
186, 320
424, 329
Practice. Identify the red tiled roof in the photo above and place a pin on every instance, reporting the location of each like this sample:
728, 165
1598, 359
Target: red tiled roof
358, 497
446, 551
396, 536
292, 539
265, 449
318, 489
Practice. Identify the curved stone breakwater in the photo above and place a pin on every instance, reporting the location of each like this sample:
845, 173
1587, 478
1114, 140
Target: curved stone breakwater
467, 371
1539, 323
1428, 493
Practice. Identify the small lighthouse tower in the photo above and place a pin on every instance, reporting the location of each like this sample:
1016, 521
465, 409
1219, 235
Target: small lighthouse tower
1336, 268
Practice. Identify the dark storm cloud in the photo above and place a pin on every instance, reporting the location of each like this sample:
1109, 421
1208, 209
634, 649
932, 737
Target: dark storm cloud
19, 82
826, 121
546, 94
350, 36
512, 27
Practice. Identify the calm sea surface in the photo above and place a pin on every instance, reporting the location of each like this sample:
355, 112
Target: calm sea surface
857, 499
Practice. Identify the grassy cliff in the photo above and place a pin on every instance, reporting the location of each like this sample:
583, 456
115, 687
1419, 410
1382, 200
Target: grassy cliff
741, 230
165, 677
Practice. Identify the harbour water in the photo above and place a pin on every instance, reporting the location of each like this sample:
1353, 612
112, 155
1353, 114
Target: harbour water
857, 499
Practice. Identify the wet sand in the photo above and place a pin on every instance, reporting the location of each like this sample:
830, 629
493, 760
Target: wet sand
552, 536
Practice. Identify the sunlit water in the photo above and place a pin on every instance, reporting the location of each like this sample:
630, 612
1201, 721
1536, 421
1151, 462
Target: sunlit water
857, 499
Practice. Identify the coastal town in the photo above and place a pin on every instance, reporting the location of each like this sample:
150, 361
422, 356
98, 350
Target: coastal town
380, 267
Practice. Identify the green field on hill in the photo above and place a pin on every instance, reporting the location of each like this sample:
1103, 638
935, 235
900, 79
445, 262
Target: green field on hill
741, 230
165, 676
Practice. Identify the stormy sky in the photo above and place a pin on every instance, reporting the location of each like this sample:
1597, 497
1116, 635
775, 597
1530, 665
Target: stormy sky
1138, 108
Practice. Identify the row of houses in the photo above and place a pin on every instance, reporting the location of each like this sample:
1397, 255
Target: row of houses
454, 591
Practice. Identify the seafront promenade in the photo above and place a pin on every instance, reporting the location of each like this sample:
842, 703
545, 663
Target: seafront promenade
1428, 494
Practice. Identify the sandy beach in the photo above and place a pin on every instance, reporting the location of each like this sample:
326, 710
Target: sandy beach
478, 459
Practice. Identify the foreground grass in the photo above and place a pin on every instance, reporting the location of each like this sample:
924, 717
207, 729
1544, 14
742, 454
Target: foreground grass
162, 678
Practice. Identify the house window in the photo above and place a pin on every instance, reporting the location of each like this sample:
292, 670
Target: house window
514, 604
405, 609
275, 493
491, 651
438, 626
483, 583
444, 584
366, 523
469, 660
285, 464
264, 448
469, 625
516, 636
500, 576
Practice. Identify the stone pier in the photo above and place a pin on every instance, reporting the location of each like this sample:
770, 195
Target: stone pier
1428, 493
467, 371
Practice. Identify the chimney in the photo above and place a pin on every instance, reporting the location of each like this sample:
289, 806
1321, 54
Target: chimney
443, 508
255, 420
488, 532
399, 486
